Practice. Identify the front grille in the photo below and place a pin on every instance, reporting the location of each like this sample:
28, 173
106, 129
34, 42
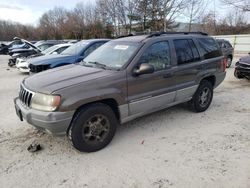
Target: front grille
25, 96
38, 68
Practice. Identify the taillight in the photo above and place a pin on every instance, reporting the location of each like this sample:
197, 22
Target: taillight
224, 64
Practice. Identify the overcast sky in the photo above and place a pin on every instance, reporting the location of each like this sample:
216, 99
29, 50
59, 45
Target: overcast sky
29, 11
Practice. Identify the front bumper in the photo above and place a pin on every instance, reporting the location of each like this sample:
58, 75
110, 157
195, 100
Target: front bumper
23, 69
22, 66
56, 123
242, 70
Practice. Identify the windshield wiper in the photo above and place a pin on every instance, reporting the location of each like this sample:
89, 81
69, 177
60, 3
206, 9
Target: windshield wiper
103, 66
84, 63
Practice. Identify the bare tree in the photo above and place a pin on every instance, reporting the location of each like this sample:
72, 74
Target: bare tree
52, 22
131, 8
233, 23
170, 9
207, 23
243, 5
193, 11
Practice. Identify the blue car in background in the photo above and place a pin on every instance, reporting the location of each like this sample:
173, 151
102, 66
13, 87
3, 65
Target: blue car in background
74, 54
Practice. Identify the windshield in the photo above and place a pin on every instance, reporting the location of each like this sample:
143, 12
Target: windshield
113, 54
50, 49
75, 49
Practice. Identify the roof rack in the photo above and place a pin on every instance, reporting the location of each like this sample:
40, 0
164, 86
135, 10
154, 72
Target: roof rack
156, 34
122, 36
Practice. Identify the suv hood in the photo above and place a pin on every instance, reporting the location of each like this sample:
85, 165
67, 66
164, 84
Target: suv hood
61, 77
50, 59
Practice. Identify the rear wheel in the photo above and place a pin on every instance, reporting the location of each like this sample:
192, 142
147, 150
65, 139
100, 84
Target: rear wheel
93, 127
202, 97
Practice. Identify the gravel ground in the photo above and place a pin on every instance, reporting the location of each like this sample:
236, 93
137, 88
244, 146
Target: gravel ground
170, 148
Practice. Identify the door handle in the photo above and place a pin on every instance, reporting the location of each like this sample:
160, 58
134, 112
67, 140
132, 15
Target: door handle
168, 75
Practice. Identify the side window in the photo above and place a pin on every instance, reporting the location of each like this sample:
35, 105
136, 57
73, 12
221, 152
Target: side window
59, 50
157, 55
45, 46
183, 51
220, 44
228, 45
194, 50
92, 48
209, 48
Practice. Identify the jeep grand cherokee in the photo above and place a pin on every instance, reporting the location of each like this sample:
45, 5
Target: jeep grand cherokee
122, 80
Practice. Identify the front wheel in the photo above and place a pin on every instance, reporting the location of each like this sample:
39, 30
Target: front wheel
202, 97
93, 127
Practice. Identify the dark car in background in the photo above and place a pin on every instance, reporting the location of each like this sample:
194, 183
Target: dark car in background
75, 53
26, 50
16, 43
227, 50
242, 68
43, 45
30, 49
22, 64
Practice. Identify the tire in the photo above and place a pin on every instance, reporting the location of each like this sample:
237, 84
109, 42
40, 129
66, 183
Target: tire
93, 127
202, 97
11, 63
229, 62
238, 75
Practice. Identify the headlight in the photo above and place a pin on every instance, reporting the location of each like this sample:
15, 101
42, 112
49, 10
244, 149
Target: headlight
45, 102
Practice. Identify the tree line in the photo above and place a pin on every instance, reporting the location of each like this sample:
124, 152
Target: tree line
112, 18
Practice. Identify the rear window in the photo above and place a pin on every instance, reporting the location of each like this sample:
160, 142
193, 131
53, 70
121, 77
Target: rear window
228, 45
209, 48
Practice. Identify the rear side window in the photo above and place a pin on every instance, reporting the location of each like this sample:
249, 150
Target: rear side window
209, 48
59, 50
186, 51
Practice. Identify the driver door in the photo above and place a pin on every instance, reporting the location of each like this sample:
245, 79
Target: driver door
150, 92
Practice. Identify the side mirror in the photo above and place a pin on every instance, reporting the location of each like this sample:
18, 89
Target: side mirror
144, 68
249, 53
54, 53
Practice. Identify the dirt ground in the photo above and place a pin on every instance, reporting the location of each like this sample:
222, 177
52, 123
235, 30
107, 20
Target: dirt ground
170, 148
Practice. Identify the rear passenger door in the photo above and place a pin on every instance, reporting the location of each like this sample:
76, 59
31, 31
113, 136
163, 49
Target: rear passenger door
187, 68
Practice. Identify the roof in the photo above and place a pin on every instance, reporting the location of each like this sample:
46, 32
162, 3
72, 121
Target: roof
95, 40
140, 38
63, 44
137, 38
